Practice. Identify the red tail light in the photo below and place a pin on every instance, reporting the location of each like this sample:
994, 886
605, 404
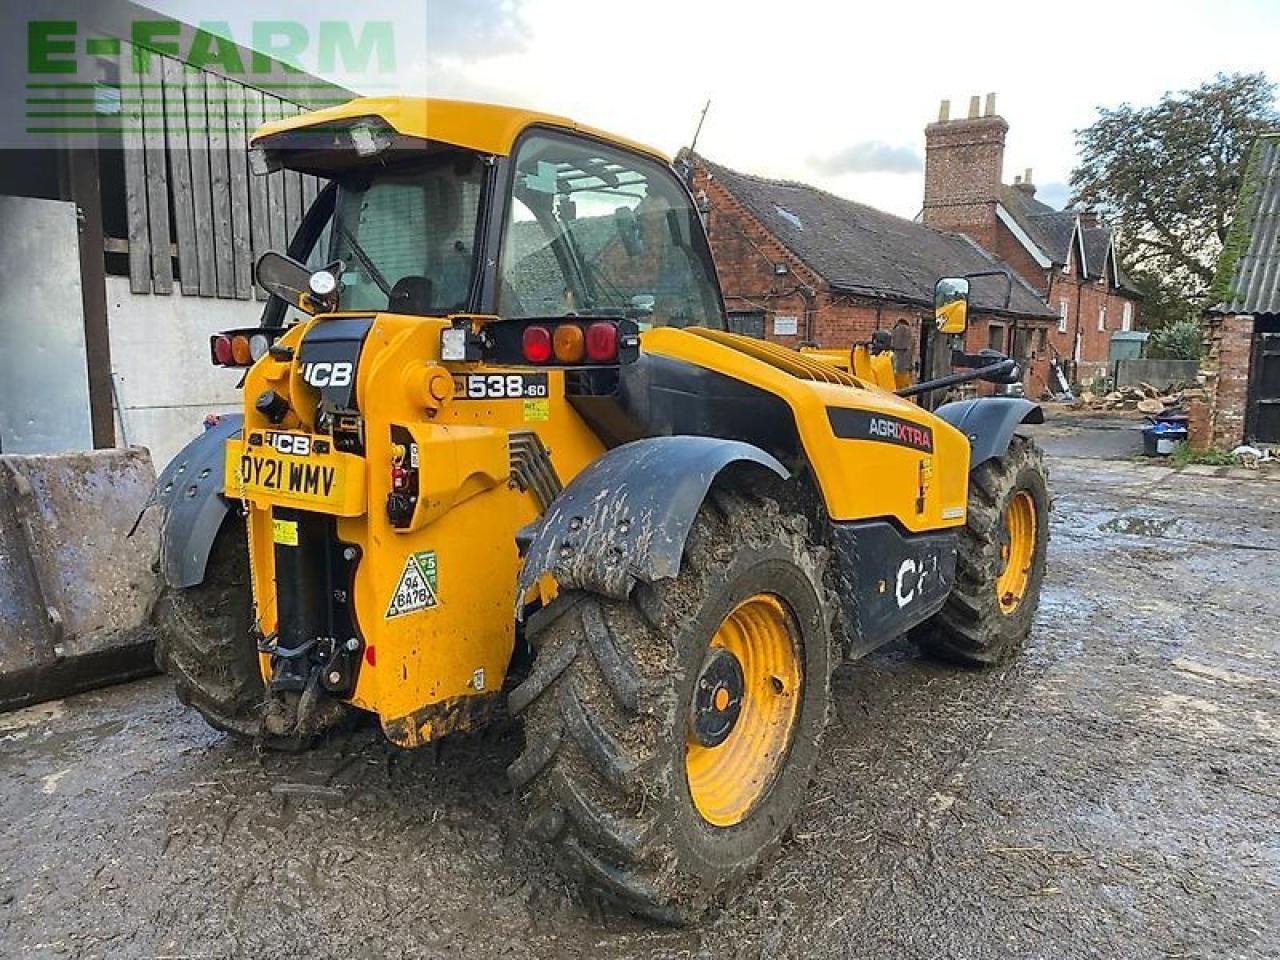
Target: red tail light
222, 354
536, 344
602, 342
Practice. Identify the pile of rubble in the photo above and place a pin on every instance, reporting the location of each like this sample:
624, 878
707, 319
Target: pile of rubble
1144, 398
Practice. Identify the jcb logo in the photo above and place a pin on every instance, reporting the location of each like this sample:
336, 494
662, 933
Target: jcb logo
327, 374
293, 444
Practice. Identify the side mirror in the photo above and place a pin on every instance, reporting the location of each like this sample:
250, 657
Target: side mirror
295, 284
951, 305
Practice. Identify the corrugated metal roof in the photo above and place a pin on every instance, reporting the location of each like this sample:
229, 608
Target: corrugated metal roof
1248, 279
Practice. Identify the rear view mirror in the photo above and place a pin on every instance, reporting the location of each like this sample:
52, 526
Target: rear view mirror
951, 305
297, 285
284, 278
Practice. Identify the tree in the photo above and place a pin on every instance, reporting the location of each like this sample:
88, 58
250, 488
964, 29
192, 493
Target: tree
1178, 340
1167, 177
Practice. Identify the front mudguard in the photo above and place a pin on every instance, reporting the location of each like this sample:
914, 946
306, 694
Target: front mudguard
625, 518
989, 423
190, 492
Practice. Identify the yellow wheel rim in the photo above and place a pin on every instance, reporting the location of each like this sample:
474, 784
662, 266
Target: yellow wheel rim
727, 779
1017, 551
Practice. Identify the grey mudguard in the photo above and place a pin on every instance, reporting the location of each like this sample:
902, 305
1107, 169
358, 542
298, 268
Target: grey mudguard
989, 423
626, 517
189, 490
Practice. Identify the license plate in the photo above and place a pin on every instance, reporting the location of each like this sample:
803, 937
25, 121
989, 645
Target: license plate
331, 482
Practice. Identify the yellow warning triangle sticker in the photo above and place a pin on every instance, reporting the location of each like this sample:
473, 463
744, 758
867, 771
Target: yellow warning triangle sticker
417, 587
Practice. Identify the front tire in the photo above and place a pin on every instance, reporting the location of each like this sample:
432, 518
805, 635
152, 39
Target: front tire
1000, 562
656, 788
204, 643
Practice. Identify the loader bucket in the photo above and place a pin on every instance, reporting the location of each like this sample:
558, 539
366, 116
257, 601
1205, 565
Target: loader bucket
76, 589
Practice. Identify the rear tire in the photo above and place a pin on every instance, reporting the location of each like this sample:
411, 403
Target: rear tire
609, 712
988, 616
204, 644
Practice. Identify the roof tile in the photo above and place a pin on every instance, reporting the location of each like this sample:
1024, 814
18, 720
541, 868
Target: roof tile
860, 250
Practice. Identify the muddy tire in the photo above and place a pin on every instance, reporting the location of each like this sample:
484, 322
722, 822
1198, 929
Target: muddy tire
617, 689
203, 643
988, 616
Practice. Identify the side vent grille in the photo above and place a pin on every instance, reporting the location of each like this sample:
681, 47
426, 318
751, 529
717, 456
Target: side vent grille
532, 469
789, 361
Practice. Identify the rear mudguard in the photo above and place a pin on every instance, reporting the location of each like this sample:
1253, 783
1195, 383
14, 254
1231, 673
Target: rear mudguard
989, 423
190, 493
626, 517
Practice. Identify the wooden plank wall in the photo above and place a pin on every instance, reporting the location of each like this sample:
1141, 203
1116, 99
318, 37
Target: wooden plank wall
196, 214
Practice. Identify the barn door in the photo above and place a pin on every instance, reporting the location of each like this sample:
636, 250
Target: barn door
1264, 389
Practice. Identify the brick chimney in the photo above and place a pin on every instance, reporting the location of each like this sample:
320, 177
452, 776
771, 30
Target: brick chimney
964, 160
1024, 184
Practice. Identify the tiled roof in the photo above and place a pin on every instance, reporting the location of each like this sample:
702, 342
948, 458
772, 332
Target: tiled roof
860, 250
1248, 279
1054, 230
1051, 230
1097, 245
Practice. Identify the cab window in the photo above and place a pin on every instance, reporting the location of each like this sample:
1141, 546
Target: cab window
407, 237
597, 231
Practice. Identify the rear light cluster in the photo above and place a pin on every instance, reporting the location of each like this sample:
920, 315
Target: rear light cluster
570, 343
240, 348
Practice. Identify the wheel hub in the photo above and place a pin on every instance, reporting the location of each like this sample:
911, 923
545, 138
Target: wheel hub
744, 709
717, 699
1017, 544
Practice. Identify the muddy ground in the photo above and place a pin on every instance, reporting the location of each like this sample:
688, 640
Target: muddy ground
1116, 793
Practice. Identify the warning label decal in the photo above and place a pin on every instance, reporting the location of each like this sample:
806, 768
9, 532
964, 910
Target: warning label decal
417, 587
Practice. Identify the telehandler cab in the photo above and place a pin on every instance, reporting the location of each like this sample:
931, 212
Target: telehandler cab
500, 453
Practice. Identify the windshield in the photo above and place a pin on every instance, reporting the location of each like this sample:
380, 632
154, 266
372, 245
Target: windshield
598, 231
408, 237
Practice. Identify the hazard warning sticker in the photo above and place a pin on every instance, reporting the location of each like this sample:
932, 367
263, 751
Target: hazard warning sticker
417, 587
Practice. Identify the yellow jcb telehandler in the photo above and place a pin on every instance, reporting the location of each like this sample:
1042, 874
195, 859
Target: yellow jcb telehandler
500, 453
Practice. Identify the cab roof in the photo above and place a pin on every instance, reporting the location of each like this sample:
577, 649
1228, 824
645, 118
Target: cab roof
483, 127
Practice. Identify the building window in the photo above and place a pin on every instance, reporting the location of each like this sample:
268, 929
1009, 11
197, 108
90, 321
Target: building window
1126, 317
1062, 316
1102, 317
749, 323
995, 337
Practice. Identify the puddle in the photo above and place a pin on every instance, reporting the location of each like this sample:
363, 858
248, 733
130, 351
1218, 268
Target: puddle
1139, 526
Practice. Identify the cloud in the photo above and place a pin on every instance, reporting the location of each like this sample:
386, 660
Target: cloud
1054, 194
869, 156
471, 30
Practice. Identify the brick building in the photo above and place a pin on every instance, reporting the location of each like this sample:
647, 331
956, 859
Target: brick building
1242, 331
1067, 256
798, 265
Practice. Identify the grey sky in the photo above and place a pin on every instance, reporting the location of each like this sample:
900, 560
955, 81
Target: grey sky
869, 156
836, 94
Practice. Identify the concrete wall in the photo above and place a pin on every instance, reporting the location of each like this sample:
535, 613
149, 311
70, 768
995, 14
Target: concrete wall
1158, 373
164, 381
